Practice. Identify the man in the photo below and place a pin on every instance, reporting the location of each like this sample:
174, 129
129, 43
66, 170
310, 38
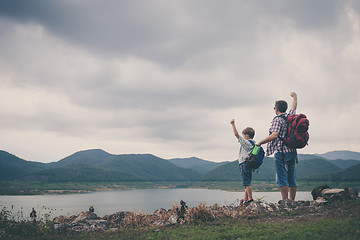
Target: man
285, 158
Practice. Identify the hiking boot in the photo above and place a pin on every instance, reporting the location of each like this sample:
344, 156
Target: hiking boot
248, 201
286, 203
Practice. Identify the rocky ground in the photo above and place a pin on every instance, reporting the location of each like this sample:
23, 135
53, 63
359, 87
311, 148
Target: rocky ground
329, 203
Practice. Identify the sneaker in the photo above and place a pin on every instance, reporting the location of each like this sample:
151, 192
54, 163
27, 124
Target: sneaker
248, 201
286, 203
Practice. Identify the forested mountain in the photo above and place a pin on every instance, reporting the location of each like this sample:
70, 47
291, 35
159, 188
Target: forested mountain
12, 166
92, 156
345, 163
351, 174
97, 165
345, 155
196, 164
149, 167
81, 173
230, 172
266, 172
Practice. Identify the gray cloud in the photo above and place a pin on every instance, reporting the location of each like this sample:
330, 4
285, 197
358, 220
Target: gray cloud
169, 33
167, 76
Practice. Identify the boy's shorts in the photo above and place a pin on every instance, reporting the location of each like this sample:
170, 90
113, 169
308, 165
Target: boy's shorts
246, 173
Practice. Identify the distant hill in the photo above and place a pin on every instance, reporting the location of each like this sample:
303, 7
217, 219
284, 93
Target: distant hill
81, 173
92, 156
97, 166
345, 163
230, 172
309, 156
315, 167
350, 174
150, 167
199, 165
304, 168
12, 166
345, 155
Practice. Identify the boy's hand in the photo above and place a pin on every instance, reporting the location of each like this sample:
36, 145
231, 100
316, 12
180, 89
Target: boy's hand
232, 122
294, 95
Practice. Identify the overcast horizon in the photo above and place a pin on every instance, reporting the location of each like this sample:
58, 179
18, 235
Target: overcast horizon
167, 77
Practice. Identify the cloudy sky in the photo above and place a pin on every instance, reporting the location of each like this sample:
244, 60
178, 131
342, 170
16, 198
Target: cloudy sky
166, 77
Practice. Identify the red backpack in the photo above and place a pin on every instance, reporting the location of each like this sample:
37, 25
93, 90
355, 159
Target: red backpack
297, 135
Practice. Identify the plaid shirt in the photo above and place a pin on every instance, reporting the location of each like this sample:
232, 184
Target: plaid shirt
279, 125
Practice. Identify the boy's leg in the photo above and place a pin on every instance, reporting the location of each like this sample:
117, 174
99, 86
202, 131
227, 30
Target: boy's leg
246, 194
246, 173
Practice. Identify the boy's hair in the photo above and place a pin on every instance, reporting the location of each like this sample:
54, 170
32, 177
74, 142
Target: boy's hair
249, 131
281, 105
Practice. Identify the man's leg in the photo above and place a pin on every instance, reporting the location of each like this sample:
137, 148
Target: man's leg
291, 162
281, 175
284, 190
292, 193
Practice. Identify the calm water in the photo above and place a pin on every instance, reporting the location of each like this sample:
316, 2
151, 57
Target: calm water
147, 200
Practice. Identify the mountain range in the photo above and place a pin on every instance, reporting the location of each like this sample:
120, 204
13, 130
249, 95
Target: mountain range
96, 165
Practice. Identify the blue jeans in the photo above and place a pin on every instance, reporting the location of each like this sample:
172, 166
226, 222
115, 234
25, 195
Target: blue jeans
246, 173
285, 169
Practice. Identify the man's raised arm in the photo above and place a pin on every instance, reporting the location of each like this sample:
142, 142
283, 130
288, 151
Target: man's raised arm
294, 103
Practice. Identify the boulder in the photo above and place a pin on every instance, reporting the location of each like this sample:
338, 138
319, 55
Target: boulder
317, 192
84, 216
323, 194
354, 194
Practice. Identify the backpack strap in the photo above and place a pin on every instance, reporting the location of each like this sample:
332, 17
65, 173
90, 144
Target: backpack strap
284, 116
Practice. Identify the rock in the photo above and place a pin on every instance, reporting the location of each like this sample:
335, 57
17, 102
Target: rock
98, 225
63, 219
354, 194
261, 207
320, 201
173, 219
85, 216
324, 194
335, 194
115, 218
316, 192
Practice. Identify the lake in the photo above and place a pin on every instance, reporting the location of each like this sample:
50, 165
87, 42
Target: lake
145, 200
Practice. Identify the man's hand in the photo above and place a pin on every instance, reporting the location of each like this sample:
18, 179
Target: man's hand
269, 138
232, 122
294, 95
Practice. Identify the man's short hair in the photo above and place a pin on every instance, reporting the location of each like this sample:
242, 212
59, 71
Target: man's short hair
281, 105
249, 131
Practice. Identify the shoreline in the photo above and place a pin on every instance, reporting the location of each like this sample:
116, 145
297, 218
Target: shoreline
15, 188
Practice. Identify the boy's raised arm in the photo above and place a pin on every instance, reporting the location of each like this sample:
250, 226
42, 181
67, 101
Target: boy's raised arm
234, 129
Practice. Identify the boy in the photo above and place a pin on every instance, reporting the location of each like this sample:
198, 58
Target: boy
245, 149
